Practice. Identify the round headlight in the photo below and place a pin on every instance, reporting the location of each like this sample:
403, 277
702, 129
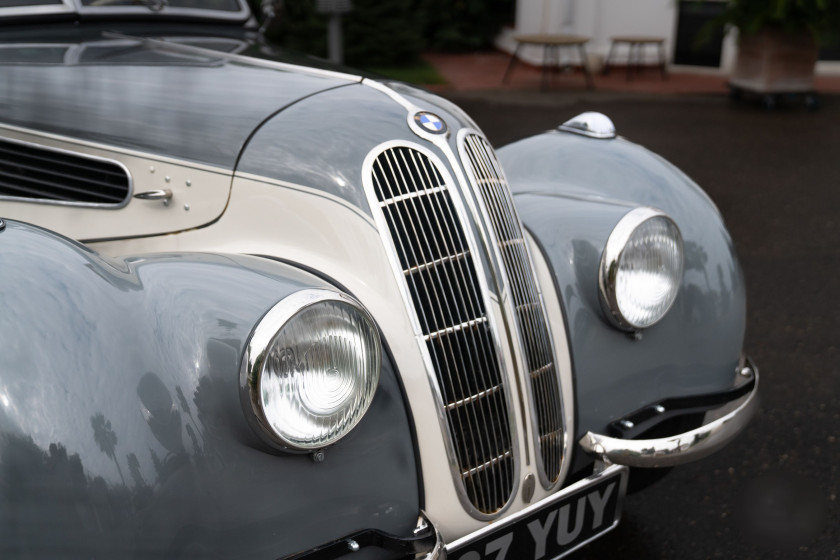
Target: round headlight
310, 370
641, 269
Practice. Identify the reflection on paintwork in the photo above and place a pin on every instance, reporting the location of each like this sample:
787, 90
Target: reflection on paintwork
162, 102
572, 218
121, 430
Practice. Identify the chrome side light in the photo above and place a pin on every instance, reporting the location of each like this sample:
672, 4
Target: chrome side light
310, 370
641, 269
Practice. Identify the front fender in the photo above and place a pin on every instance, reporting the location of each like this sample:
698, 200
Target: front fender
121, 429
571, 191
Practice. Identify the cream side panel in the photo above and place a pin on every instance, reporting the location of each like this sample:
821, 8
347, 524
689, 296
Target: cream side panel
306, 226
199, 195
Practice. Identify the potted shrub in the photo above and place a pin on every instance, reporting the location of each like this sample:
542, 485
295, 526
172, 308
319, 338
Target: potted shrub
778, 44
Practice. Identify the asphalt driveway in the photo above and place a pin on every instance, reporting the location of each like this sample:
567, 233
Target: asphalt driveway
776, 179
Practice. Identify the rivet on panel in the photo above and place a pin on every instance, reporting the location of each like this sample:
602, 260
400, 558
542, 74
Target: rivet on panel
151, 169
167, 178
187, 207
189, 183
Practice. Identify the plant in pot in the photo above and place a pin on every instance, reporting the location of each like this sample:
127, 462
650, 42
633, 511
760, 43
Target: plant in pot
778, 45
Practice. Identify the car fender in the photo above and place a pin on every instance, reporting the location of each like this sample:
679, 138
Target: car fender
571, 191
121, 426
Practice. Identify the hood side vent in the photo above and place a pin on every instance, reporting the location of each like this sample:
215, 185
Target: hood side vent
50, 175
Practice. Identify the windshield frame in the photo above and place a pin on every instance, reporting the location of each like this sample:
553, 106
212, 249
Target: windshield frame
76, 7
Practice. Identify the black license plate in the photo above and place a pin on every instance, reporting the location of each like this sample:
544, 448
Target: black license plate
553, 527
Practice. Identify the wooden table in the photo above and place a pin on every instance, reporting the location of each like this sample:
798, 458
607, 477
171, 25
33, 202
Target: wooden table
551, 44
636, 45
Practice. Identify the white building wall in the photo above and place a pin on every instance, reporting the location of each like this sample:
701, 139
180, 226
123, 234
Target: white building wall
597, 19
600, 20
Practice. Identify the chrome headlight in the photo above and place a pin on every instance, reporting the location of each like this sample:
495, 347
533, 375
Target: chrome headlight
310, 370
641, 269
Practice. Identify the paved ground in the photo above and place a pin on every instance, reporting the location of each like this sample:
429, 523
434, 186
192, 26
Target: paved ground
483, 71
776, 178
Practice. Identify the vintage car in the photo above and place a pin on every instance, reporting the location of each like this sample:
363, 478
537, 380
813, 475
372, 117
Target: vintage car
256, 309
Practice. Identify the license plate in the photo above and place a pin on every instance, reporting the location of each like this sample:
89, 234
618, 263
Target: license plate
553, 527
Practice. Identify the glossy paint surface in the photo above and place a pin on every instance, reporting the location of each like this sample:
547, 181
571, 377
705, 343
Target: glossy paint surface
127, 94
321, 142
121, 429
571, 191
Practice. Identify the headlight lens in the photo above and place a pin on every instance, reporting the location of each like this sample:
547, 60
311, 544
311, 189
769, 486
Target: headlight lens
311, 370
641, 269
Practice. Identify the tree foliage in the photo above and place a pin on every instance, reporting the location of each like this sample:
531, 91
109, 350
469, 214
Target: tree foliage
819, 17
393, 32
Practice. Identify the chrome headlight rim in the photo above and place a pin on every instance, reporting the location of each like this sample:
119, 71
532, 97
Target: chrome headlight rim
611, 258
257, 350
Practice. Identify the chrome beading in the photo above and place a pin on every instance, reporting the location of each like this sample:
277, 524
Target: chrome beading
434, 258
497, 209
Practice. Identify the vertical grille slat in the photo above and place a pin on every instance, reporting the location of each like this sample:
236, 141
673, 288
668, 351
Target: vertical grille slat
530, 316
441, 278
43, 174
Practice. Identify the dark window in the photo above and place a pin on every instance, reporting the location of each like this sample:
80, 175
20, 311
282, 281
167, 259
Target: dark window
692, 21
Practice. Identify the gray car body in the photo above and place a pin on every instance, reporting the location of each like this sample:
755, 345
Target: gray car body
135, 362
570, 191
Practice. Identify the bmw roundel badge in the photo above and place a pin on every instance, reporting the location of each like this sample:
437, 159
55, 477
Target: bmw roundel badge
430, 122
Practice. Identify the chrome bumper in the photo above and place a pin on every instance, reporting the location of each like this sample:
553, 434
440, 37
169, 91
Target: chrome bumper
425, 544
438, 551
681, 448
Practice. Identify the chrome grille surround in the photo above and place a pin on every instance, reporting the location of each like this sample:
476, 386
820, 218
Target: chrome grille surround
525, 303
421, 220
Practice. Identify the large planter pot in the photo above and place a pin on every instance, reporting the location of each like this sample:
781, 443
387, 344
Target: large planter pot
773, 61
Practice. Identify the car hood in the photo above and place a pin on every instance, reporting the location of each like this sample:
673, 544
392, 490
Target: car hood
196, 99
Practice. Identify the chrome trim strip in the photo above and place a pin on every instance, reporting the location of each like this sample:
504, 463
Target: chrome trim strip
601, 471
256, 352
238, 58
66, 7
76, 6
616, 243
482, 215
214, 15
82, 155
679, 449
455, 328
402, 285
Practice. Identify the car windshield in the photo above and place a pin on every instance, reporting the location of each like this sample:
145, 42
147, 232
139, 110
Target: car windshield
221, 8
220, 5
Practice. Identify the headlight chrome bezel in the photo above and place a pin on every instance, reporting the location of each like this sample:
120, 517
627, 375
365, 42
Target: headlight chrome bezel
611, 259
257, 352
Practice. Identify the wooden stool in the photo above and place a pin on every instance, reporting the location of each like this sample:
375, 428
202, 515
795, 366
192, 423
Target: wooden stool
551, 44
637, 43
